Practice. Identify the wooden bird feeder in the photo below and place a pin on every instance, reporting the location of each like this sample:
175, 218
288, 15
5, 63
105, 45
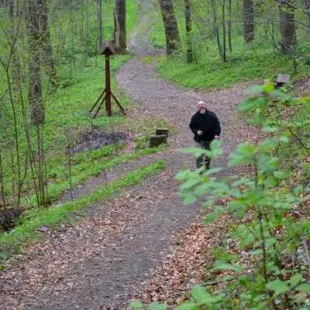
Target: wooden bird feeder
108, 49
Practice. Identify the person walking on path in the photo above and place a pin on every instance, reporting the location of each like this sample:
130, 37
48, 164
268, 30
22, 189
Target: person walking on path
206, 127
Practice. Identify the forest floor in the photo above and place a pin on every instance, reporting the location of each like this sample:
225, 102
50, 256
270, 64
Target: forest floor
125, 244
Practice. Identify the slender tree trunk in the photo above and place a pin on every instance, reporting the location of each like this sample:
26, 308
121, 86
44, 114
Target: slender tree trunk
273, 36
188, 23
3, 198
229, 25
13, 7
248, 17
307, 5
35, 87
46, 44
99, 21
287, 27
121, 37
216, 28
16, 167
171, 26
13, 29
30, 154
224, 30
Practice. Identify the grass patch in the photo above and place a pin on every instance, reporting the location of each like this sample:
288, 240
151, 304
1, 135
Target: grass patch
217, 74
92, 164
26, 232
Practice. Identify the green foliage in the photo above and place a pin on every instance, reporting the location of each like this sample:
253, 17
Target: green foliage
137, 305
262, 203
35, 218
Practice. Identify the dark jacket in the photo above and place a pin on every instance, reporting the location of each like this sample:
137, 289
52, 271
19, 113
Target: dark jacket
208, 123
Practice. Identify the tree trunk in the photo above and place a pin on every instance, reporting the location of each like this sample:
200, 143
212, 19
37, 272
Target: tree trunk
121, 37
12, 29
307, 5
2, 191
248, 17
99, 21
12, 7
171, 26
46, 44
216, 28
287, 27
229, 25
188, 23
35, 87
224, 31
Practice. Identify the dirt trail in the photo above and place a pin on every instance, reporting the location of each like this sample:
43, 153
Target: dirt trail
101, 261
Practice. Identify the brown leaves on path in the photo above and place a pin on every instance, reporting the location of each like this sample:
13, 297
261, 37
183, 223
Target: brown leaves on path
186, 266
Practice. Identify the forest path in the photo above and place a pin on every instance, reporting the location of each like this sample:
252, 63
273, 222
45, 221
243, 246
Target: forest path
102, 261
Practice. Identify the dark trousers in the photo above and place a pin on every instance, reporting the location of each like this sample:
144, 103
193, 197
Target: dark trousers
203, 160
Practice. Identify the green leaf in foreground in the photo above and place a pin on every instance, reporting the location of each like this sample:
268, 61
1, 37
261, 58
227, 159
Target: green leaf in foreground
224, 266
213, 216
201, 295
278, 286
305, 287
188, 306
156, 306
136, 305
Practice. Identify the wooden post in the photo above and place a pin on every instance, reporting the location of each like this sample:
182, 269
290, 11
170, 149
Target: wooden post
108, 85
162, 132
156, 140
